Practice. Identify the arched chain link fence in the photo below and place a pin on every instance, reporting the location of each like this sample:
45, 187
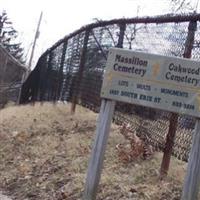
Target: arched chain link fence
73, 68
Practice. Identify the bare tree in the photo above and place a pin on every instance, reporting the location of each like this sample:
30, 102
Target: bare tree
184, 6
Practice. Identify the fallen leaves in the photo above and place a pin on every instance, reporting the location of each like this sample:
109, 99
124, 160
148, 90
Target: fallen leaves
44, 153
134, 148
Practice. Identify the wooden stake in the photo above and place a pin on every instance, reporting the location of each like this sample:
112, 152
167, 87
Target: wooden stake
98, 151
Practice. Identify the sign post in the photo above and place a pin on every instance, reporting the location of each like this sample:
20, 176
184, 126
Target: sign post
98, 151
167, 83
192, 178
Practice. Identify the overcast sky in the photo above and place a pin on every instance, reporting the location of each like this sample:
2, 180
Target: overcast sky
61, 17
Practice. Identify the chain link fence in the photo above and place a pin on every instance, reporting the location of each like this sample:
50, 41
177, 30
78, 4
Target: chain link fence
73, 70
11, 75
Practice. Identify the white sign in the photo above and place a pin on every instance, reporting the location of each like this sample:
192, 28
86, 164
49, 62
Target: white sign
162, 82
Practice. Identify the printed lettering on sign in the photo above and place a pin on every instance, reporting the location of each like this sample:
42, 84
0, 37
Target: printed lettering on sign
162, 82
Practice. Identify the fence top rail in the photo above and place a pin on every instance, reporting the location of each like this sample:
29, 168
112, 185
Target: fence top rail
169, 18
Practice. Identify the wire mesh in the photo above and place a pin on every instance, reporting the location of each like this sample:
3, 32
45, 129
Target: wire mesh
74, 68
11, 75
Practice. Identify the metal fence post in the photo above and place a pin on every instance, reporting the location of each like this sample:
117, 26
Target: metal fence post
60, 73
174, 117
99, 147
49, 65
169, 145
122, 28
20, 89
80, 72
43, 77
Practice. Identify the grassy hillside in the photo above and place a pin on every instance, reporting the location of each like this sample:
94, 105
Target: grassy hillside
44, 153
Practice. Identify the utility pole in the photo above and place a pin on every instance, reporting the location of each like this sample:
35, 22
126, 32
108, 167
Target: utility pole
34, 43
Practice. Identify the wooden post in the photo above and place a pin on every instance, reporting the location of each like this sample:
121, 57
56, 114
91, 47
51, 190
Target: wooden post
192, 178
80, 73
174, 117
98, 151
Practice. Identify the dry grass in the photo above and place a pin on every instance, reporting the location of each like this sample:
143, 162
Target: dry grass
44, 153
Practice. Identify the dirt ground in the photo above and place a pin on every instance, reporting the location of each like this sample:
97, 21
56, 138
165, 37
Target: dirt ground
44, 154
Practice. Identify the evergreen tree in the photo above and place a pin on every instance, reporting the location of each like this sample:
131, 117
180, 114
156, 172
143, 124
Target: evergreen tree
8, 37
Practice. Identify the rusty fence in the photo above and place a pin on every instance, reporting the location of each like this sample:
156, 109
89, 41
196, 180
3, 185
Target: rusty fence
73, 69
